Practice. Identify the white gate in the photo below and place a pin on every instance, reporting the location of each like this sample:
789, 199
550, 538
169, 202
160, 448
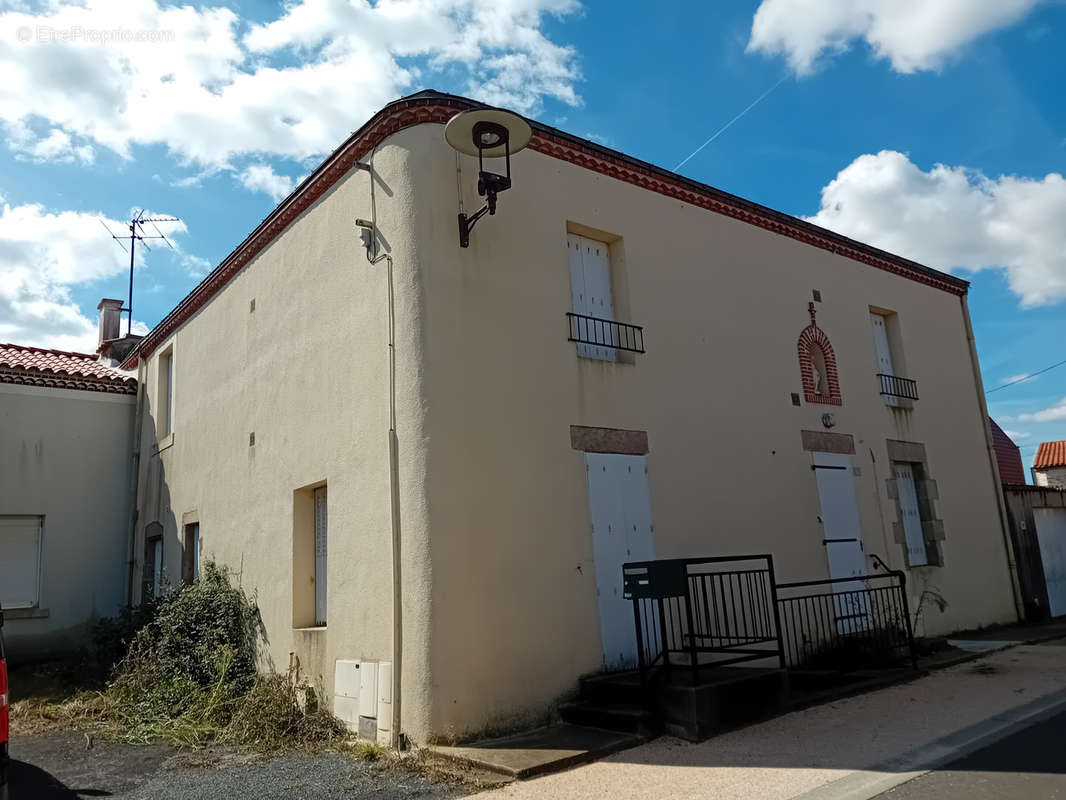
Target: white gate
1051, 533
620, 514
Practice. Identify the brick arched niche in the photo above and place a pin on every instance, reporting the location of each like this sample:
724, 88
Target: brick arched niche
818, 365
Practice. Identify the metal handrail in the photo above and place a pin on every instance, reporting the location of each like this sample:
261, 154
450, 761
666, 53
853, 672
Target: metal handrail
895, 386
846, 628
681, 610
605, 332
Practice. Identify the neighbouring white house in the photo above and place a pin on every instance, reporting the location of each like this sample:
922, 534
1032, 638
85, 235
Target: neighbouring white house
1049, 465
66, 432
429, 447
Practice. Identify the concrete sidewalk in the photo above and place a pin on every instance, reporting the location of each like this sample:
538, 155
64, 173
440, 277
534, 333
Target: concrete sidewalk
870, 740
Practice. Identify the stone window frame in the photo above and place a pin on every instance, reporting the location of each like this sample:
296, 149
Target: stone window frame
913, 453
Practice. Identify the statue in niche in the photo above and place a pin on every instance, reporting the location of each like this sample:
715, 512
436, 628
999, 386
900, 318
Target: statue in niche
819, 380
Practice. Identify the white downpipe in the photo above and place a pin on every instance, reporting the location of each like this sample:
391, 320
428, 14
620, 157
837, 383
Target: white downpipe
394, 473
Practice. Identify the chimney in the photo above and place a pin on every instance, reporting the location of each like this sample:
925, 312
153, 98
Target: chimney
110, 320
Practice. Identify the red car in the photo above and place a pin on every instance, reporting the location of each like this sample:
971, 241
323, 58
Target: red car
3, 705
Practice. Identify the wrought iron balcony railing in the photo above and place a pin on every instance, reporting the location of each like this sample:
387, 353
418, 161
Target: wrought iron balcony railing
893, 386
605, 333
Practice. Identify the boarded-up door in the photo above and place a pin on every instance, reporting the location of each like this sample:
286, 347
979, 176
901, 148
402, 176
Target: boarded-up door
620, 514
842, 538
1051, 533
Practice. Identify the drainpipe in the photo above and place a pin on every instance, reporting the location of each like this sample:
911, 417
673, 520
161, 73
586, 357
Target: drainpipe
1019, 608
395, 737
142, 372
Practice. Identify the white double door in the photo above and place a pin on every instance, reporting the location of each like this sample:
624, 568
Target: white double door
842, 538
620, 515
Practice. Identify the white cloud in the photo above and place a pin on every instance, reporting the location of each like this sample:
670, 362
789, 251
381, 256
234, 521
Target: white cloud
1021, 377
1015, 435
954, 217
262, 178
1046, 415
42, 255
912, 35
1055, 412
213, 89
56, 145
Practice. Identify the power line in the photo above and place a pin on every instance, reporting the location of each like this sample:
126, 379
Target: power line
726, 127
1025, 377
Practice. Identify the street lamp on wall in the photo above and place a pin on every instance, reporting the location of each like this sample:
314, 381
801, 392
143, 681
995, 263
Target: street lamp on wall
486, 133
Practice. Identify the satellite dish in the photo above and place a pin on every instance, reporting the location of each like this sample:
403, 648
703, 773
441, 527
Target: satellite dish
499, 132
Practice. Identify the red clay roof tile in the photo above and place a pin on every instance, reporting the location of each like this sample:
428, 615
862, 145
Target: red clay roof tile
1050, 454
36, 366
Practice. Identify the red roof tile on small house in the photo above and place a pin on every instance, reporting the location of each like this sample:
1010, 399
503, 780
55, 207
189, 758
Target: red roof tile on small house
1050, 454
1008, 456
60, 369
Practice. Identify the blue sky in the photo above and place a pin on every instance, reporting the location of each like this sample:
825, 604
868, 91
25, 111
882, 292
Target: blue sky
215, 119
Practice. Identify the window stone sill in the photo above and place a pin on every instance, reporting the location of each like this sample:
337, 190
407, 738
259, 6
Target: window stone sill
26, 613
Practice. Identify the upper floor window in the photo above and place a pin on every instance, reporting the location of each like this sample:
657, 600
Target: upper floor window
895, 388
590, 289
166, 393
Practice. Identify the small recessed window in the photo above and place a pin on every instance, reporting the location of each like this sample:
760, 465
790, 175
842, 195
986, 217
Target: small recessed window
309, 556
152, 576
190, 556
165, 414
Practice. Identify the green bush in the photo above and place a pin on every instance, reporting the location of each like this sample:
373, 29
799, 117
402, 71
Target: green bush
188, 675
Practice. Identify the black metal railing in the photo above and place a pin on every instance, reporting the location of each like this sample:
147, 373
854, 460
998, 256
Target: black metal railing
704, 612
894, 386
846, 623
605, 333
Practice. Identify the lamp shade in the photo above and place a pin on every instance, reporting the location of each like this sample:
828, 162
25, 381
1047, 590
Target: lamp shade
459, 132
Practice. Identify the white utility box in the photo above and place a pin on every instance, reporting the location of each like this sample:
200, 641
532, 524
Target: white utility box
346, 685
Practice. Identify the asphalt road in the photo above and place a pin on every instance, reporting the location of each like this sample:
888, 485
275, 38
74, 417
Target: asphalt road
61, 766
1029, 764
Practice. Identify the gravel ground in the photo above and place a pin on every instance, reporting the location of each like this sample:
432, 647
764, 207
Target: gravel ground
59, 766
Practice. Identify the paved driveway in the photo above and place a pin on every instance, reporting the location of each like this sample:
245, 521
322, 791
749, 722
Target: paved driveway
856, 747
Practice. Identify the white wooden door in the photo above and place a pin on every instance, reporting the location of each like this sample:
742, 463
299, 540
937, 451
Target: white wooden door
321, 530
912, 518
590, 287
1051, 533
620, 514
842, 537
884, 354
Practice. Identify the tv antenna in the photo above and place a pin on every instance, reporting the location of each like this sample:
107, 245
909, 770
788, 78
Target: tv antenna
138, 234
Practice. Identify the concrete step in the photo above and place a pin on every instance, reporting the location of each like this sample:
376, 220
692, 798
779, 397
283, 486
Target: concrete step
538, 752
624, 717
621, 688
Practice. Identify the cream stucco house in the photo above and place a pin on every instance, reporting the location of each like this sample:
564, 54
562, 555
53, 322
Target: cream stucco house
402, 449
66, 425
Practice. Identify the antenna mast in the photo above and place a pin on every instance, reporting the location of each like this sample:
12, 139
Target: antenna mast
137, 234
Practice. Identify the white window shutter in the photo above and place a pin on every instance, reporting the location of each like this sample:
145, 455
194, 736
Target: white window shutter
910, 514
20, 561
320, 555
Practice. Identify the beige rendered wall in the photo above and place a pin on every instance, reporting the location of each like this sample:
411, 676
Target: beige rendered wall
514, 619
307, 372
67, 458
